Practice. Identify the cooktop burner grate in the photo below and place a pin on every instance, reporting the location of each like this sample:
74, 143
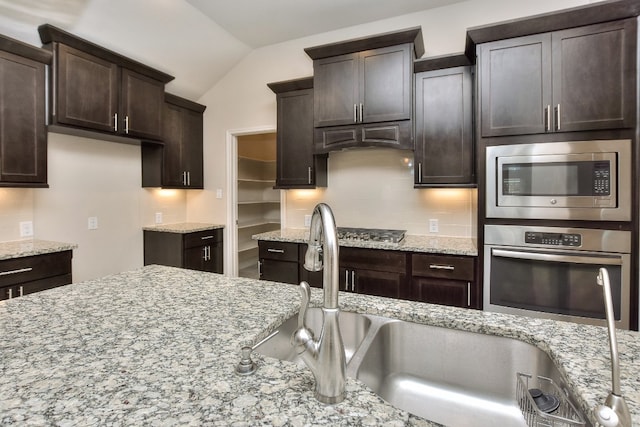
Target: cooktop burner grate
371, 234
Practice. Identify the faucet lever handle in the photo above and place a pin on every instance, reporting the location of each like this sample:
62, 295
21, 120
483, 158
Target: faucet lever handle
305, 294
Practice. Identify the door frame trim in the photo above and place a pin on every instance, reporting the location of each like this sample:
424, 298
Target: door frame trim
231, 243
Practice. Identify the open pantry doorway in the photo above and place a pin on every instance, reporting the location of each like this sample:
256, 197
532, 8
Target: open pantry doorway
257, 204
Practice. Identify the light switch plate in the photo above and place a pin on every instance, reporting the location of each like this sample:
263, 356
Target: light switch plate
158, 217
219, 193
307, 220
433, 226
92, 223
26, 228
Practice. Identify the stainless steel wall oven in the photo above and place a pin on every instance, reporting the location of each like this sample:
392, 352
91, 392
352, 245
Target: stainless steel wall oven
577, 180
550, 272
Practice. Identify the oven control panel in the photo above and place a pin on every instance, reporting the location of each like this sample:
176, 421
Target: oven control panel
554, 239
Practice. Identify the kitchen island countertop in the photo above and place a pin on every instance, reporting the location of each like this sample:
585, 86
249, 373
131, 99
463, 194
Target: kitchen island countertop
32, 247
410, 243
158, 346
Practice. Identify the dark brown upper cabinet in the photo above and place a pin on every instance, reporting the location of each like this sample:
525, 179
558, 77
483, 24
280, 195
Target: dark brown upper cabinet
444, 123
177, 163
296, 165
577, 79
99, 90
363, 91
23, 134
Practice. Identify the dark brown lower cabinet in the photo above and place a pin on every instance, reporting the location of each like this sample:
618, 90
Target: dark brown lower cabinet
26, 275
433, 278
200, 250
445, 279
374, 272
278, 261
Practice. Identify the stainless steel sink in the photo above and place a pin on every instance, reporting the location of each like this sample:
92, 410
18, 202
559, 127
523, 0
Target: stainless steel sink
452, 377
353, 327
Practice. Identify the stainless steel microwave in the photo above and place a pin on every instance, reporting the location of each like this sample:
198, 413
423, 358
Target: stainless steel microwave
577, 180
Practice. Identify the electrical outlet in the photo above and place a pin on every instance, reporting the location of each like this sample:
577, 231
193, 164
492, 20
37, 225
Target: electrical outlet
26, 228
307, 220
219, 193
433, 226
158, 217
92, 223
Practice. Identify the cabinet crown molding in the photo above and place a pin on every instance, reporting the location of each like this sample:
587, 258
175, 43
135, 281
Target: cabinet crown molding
25, 50
409, 35
289, 85
49, 33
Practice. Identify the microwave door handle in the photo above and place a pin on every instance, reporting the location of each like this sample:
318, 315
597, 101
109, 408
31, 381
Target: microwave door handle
537, 256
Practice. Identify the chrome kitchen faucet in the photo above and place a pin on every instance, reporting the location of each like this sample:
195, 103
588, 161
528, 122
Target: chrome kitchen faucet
324, 356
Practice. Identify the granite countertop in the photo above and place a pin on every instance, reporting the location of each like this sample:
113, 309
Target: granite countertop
25, 248
182, 227
158, 346
410, 243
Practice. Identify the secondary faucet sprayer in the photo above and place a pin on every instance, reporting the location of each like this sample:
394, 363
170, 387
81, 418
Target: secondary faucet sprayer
614, 412
324, 356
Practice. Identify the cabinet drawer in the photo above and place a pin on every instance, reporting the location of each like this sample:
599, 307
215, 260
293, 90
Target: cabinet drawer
374, 259
201, 238
281, 251
443, 266
27, 269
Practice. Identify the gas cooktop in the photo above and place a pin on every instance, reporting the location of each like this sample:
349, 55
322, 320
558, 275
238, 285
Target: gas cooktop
371, 234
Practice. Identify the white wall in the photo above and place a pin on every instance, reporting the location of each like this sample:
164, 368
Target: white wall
242, 100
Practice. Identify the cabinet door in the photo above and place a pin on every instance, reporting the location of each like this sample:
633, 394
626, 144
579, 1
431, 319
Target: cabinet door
194, 258
515, 85
192, 128
385, 84
86, 90
594, 76
295, 166
380, 283
279, 271
23, 143
142, 101
441, 291
444, 128
172, 168
335, 82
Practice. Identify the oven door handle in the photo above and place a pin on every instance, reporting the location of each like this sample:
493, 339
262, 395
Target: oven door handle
537, 256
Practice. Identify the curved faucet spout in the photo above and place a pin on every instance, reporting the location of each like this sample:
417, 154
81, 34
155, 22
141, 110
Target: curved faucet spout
324, 356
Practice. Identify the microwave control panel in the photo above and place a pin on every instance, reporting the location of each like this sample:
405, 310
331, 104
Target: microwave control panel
601, 179
553, 239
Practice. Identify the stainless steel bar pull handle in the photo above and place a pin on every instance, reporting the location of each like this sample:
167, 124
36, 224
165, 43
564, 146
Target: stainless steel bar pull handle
259, 268
420, 172
547, 125
115, 122
441, 267
558, 117
309, 175
10, 293
276, 251
468, 294
539, 256
188, 178
361, 113
206, 237
353, 280
126, 124
21, 290
346, 280
355, 113
20, 270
